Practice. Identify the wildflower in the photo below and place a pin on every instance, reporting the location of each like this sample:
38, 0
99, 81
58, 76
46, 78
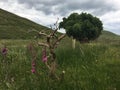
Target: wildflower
44, 59
44, 56
33, 63
33, 70
4, 51
33, 67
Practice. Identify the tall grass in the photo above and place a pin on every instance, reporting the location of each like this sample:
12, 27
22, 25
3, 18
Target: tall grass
87, 67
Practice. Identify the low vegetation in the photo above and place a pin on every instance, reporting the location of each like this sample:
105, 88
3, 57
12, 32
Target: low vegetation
92, 66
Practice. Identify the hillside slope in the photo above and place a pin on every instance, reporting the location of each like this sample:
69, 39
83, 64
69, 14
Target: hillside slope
108, 37
16, 27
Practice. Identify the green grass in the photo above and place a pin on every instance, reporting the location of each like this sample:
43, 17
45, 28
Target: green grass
92, 66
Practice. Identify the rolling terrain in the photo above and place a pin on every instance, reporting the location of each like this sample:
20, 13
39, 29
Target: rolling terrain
16, 27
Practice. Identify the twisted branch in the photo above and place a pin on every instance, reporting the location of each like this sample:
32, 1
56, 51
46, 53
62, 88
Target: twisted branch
59, 39
43, 44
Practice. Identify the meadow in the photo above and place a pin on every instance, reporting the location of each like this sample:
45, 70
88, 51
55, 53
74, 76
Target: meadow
90, 66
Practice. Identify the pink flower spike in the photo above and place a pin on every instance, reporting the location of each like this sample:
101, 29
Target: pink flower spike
44, 56
33, 70
4, 51
33, 63
44, 59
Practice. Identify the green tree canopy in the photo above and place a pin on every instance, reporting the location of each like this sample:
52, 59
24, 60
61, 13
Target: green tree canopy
82, 26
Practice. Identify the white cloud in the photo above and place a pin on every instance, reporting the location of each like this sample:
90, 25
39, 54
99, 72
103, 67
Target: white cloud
115, 3
111, 21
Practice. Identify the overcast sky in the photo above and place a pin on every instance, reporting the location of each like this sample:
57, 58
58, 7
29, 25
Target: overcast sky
46, 12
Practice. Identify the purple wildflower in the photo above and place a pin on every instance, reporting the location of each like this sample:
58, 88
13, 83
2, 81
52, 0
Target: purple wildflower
44, 56
33, 70
33, 67
44, 59
4, 51
33, 64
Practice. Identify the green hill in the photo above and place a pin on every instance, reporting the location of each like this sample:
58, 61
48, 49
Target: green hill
16, 27
108, 37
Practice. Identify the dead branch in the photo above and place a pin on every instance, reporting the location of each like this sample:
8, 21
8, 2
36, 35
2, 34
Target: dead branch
43, 44
40, 33
52, 34
44, 34
58, 40
47, 65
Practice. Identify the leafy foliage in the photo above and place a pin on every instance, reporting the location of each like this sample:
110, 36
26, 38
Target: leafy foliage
82, 26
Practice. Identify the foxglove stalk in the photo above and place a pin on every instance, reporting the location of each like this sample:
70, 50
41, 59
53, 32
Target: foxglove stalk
4, 51
44, 56
33, 67
33, 70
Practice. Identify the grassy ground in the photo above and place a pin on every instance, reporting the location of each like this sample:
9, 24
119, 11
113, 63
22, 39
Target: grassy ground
93, 66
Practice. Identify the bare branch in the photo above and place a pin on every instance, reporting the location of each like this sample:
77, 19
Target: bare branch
56, 28
44, 34
40, 33
60, 38
43, 44
56, 36
56, 24
47, 65
52, 34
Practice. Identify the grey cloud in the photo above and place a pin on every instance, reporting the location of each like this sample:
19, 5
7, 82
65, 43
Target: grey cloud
46, 3
99, 7
113, 27
4, 1
46, 6
62, 7
102, 10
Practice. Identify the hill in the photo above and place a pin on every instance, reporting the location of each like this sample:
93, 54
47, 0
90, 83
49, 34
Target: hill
108, 37
16, 27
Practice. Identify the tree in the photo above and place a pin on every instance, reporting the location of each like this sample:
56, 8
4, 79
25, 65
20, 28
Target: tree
49, 45
82, 27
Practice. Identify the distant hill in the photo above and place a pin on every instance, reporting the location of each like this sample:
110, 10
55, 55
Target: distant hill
16, 27
108, 37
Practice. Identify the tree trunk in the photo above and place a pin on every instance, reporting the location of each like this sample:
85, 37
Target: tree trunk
53, 64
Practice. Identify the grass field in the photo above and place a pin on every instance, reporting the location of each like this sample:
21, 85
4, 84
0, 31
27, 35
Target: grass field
92, 66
